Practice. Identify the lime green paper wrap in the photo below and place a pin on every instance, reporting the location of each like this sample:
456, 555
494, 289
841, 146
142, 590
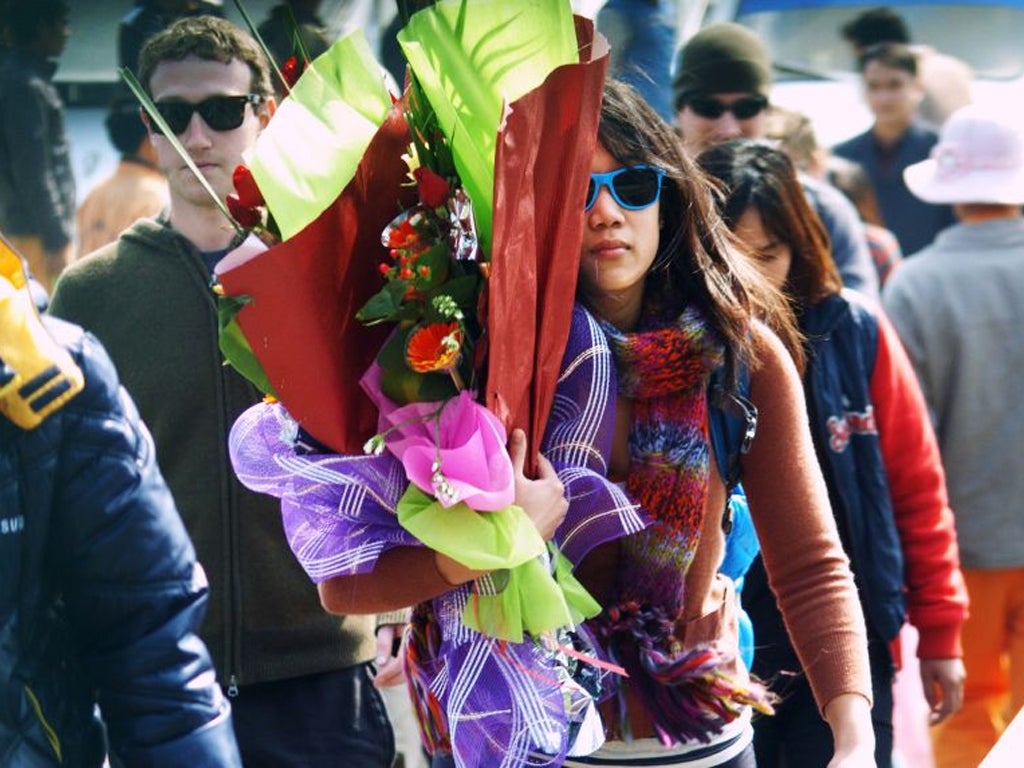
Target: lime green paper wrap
530, 599
474, 57
309, 151
235, 347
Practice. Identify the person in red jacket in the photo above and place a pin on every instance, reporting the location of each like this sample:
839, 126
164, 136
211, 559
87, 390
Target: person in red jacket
880, 459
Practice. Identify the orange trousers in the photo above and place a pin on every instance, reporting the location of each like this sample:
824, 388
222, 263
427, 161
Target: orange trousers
993, 639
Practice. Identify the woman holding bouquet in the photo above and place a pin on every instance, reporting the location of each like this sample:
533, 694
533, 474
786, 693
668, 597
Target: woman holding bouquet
659, 272
484, 698
436, 510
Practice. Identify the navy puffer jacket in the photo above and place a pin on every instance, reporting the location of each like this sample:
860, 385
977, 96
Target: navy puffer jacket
100, 593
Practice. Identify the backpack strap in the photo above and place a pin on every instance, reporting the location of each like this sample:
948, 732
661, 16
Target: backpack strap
732, 424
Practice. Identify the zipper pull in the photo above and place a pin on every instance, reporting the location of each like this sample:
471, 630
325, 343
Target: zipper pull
233, 687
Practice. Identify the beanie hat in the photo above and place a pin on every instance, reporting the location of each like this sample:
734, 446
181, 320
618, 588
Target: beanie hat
721, 58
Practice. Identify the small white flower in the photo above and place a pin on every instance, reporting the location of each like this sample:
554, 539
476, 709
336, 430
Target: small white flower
442, 488
289, 428
374, 446
446, 307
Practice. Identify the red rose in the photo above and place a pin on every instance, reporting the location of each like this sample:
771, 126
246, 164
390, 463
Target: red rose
291, 70
433, 189
249, 194
246, 215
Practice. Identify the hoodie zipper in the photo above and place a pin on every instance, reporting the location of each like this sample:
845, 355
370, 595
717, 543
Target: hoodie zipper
232, 579
232, 606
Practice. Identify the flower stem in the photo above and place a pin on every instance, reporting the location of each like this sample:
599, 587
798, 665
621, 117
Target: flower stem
456, 379
263, 46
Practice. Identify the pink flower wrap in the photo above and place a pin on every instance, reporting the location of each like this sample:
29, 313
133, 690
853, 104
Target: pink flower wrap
466, 439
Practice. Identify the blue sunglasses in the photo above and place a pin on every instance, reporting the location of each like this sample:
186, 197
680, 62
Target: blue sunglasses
634, 188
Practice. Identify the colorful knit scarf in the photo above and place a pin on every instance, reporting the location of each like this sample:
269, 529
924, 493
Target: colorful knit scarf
664, 370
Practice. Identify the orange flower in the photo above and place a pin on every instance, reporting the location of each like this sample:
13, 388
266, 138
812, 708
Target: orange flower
434, 347
403, 236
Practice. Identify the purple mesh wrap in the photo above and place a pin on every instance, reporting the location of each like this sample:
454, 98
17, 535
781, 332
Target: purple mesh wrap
493, 703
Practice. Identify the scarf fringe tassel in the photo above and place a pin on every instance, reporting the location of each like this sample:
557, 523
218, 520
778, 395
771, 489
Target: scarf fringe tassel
422, 647
687, 695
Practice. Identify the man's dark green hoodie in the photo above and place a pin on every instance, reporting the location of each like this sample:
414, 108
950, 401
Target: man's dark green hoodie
147, 297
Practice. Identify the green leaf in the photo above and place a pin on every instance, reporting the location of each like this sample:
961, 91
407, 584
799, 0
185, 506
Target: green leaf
383, 305
464, 290
392, 354
235, 347
404, 386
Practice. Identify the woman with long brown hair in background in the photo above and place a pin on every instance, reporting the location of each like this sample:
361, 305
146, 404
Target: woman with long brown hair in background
880, 460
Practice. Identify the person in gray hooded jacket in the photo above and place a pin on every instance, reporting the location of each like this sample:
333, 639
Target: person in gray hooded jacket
958, 307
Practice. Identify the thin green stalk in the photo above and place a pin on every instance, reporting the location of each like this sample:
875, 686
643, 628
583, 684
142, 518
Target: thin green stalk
263, 46
297, 40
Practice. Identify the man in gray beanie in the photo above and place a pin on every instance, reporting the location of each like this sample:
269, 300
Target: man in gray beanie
721, 84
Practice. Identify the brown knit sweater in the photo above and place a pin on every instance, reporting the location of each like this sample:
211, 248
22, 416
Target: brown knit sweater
806, 565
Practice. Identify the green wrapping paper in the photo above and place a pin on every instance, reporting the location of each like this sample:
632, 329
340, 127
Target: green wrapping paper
309, 151
526, 597
472, 59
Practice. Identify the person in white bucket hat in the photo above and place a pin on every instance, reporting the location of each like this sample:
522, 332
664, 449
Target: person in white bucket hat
958, 306
979, 159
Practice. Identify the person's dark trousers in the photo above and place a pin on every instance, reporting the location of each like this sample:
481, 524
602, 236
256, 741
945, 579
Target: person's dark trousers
330, 720
798, 737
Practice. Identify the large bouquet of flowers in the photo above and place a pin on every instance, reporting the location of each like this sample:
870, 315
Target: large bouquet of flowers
415, 310
472, 305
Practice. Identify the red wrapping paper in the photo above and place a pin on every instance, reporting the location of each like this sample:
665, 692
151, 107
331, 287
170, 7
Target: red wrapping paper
306, 291
542, 169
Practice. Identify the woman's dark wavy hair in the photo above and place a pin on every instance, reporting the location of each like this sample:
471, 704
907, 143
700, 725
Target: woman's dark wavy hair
756, 175
697, 259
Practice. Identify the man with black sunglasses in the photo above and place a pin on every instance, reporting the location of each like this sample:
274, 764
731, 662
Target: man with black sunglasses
721, 89
298, 678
